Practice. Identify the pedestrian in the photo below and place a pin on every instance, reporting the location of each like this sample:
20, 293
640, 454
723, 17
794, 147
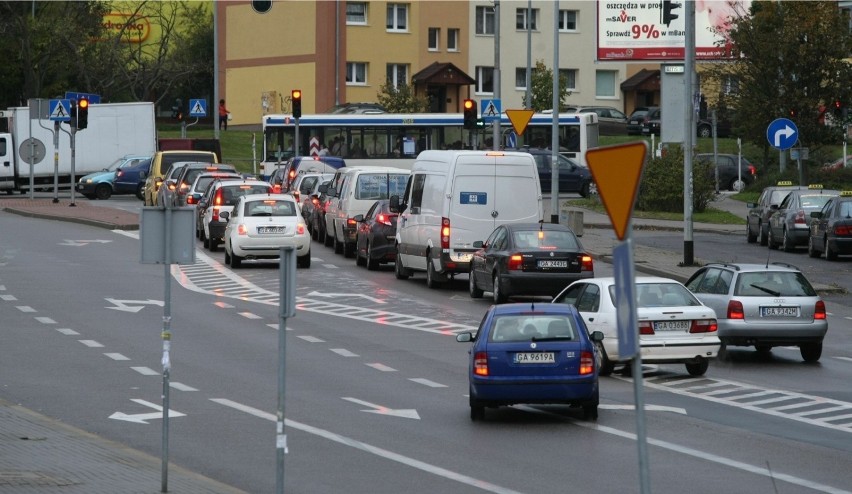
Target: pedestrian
223, 115
323, 151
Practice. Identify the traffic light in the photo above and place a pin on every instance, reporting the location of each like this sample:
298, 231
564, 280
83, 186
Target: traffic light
296, 96
82, 113
838, 108
667, 16
793, 113
72, 112
470, 114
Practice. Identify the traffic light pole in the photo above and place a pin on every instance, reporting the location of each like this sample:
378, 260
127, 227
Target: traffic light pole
73, 165
496, 134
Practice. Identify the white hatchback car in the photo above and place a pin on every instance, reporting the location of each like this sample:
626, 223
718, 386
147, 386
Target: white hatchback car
674, 326
260, 224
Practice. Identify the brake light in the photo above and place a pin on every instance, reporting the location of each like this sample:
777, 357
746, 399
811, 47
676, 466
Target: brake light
296, 195
300, 229
119, 173
242, 230
276, 188
191, 200
480, 364
586, 263
819, 310
384, 219
752, 170
314, 201
646, 327
735, 310
587, 363
842, 230
351, 223
800, 217
516, 262
445, 233
217, 199
703, 326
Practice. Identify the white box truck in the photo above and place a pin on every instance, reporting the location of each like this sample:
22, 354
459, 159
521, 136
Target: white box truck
453, 199
114, 130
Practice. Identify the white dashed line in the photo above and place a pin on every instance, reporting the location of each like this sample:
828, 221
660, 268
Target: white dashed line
45, 320
223, 305
311, 339
343, 352
145, 371
25, 308
250, 315
8, 297
117, 356
426, 382
381, 367
68, 331
91, 343
181, 387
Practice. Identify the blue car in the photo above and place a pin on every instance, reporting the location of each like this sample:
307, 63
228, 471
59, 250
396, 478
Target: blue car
121, 177
528, 353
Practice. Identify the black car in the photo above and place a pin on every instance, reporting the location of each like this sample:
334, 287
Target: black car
374, 236
831, 228
638, 118
789, 225
732, 169
537, 259
316, 221
573, 176
757, 221
703, 127
182, 182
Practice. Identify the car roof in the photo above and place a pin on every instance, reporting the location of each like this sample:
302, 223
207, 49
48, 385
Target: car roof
637, 279
533, 308
746, 267
535, 226
277, 197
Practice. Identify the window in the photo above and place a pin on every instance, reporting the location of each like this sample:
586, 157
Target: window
397, 74
485, 20
356, 73
356, 13
397, 17
569, 77
521, 19
567, 20
732, 85
605, 83
434, 36
485, 79
521, 78
452, 40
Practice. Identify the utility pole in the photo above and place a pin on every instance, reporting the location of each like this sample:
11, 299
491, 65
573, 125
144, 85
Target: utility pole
496, 133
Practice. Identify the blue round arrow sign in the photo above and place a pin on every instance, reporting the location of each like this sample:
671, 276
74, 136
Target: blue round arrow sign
782, 133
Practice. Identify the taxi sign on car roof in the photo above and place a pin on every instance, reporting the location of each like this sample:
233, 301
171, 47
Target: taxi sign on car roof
815, 186
784, 183
846, 193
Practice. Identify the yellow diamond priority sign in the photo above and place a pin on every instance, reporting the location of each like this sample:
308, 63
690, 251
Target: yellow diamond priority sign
617, 171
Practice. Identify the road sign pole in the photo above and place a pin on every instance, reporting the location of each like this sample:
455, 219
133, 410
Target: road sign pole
286, 308
73, 164
55, 162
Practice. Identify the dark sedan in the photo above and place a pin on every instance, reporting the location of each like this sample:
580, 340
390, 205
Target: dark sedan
831, 228
757, 221
374, 238
536, 259
789, 225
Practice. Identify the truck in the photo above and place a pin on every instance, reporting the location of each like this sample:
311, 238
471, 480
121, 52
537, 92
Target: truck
114, 130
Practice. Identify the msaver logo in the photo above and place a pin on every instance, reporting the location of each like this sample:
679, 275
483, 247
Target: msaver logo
133, 28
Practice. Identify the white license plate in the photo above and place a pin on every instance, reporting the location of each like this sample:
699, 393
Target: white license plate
552, 264
779, 312
535, 358
671, 326
271, 229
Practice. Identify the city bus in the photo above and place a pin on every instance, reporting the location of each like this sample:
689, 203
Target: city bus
395, 139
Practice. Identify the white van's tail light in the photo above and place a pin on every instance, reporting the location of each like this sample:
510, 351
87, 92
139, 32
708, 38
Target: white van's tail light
480, 364
587, 363
735, 310
445, 233
703, 326
516, 262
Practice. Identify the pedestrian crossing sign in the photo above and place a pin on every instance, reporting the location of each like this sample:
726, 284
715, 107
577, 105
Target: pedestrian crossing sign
59, 110
197, 108
491, 110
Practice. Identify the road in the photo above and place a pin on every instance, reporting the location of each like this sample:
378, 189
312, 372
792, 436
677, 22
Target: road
376, 385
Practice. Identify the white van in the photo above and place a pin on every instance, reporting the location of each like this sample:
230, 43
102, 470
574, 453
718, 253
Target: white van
359, 188
455, 198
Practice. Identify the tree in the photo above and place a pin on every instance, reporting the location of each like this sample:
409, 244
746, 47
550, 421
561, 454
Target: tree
401, 98
541, 84
791, 58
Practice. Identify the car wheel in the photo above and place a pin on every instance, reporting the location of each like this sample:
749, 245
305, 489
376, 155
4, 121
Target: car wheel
770, 241
399, 270
103, 192
327, 240
431, 282
705, 131
90, 197
750, 237
205, 240
764, 234
830, 254
475, 291
607, 365
787, 243
590, 411
348, 249
697, 368
496, 292
477, 410
315, 233
336, 244
227, 256
584, 190
140, 192
236, 261
736, 185
812, 252
359, 261
304, 261
811, 352
213, 244
372, 264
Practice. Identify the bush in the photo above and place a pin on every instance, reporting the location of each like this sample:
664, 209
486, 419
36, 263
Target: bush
661, 188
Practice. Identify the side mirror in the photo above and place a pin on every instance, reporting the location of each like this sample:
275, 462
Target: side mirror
478, 244
323, 188
816, 214
468, 337
774, 207
359, 218
225, 215
395, 205
751, 205
597, 336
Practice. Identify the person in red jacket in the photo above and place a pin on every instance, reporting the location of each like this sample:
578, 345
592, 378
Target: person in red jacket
223, 115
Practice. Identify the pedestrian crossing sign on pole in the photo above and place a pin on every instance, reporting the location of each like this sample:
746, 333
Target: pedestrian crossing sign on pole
491, 110
59, 110
197, 108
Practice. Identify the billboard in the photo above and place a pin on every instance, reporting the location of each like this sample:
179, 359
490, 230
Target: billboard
654, 30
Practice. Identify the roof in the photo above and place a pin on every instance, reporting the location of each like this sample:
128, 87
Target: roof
639, 79
445, 73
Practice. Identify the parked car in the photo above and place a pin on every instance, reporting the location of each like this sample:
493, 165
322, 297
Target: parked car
525, 353
637, 119
735, 171
182, 182
789, 225
763, 305
222, 195
674, 326
537, 259
838, 163
260, 224
375, 236
757, 221
200, 184
573, 176
165, 194
831, 228
703, 127
120, 177
611, 121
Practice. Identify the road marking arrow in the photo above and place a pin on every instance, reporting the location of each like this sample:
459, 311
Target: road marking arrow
787, 131
131, 305
140, 418
78, 243
331, 295
406, 413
